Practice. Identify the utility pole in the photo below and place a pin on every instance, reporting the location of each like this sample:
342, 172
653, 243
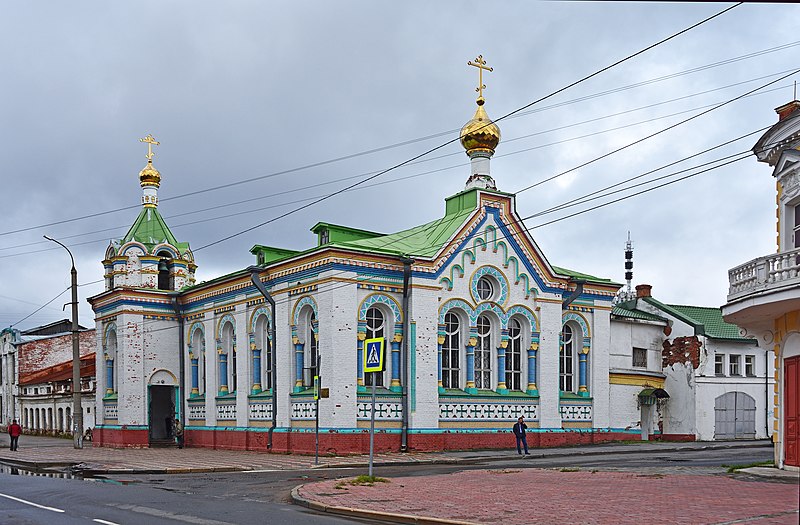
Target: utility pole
77, 410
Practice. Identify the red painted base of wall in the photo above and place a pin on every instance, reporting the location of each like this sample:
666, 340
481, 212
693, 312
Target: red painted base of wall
120, 438
675, 437
335, 443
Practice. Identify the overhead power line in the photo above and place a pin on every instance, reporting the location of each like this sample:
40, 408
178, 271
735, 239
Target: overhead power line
513, 114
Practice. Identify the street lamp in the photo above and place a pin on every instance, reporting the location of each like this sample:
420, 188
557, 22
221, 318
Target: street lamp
77, 410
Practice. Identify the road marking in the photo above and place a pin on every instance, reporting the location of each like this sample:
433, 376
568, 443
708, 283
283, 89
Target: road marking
98, 520
170, 515
26, 502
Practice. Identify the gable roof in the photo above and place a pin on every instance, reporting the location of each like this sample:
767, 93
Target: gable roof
60, 372
712, 322
622, 310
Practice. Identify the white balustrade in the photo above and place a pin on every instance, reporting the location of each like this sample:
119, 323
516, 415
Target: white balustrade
774, 270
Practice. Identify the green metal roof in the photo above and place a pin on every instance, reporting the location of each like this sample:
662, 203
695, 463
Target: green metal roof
583, 276
632, 313
420, 241
711, 320
151, 230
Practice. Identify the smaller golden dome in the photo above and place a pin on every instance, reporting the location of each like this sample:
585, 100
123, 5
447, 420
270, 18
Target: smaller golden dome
149, 176
480, 133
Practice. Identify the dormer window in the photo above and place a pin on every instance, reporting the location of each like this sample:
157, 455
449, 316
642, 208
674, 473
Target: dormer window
324, 237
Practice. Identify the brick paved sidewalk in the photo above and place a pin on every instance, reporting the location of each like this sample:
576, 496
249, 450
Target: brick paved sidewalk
528, 496
41, 452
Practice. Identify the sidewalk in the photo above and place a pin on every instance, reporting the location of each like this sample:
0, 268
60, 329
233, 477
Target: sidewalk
524, 496
37, 452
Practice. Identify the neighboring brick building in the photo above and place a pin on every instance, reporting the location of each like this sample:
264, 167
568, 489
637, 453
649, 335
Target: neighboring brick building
33, 364
717, 381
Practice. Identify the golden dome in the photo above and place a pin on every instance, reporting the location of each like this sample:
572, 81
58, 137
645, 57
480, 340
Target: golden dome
149, 176
480, 134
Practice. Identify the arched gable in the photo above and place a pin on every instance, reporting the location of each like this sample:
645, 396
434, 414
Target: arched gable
581, 321
227, 318
196, 327
298, 307
112, 326
378, 298
459, 304
130, 245
524, 312
173, 252
263, 310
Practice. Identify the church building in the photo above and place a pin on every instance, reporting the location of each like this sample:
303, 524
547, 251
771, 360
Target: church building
479, 329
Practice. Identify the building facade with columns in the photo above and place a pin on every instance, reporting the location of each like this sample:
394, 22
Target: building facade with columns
764, 294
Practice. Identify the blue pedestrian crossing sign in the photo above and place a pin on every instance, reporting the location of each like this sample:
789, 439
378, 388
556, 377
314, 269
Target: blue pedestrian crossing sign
373, 354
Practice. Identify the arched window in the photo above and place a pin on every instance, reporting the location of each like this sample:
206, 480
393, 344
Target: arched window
483, 354
228, 349
198, 344
375, 329
263, 344
567, 360
514, 355
451, 351
112, 375
61, 419
311, 350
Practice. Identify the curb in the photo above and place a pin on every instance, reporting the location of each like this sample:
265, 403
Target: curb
471, 460
370, 514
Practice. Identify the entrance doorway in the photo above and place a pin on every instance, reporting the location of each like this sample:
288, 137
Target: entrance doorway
791, 411
162, 411
734, 416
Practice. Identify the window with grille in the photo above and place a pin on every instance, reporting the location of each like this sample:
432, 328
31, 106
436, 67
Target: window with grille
483, 354
719, 364
734, 365
514, 356
374, 330
312, 352
566, 360
263, 343
451, 349
750, 365
640, 358
485, 289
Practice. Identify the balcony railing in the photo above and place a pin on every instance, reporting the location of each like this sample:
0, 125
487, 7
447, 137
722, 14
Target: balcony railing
771, 271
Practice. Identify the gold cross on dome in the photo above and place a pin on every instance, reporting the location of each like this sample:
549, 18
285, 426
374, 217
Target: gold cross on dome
150, 141
480, 63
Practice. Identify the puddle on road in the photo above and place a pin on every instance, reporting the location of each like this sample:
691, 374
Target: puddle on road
19, 471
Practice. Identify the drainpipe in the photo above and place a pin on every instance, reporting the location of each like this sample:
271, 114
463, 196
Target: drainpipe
181, 361
575, 294
766, 394
404, 356
255, 271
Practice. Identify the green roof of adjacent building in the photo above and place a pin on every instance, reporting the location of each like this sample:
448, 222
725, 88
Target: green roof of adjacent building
712, 322
620, 310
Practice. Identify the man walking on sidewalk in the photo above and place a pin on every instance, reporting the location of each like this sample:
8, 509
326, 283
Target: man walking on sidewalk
14, 430
519, 433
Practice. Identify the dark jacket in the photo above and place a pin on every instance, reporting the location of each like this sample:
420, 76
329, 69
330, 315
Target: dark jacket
519, 429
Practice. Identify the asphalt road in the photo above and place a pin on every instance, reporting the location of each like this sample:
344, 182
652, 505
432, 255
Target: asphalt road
263, 496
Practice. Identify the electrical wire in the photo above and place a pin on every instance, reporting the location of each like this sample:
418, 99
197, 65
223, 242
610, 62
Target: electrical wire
436, 135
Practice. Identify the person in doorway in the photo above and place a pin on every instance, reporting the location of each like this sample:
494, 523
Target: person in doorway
179, 433
519, 433
14, 431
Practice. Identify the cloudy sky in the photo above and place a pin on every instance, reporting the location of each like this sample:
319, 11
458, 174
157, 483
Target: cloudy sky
248, 90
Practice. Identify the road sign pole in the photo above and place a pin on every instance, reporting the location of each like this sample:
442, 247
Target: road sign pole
372, 424
317, 385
